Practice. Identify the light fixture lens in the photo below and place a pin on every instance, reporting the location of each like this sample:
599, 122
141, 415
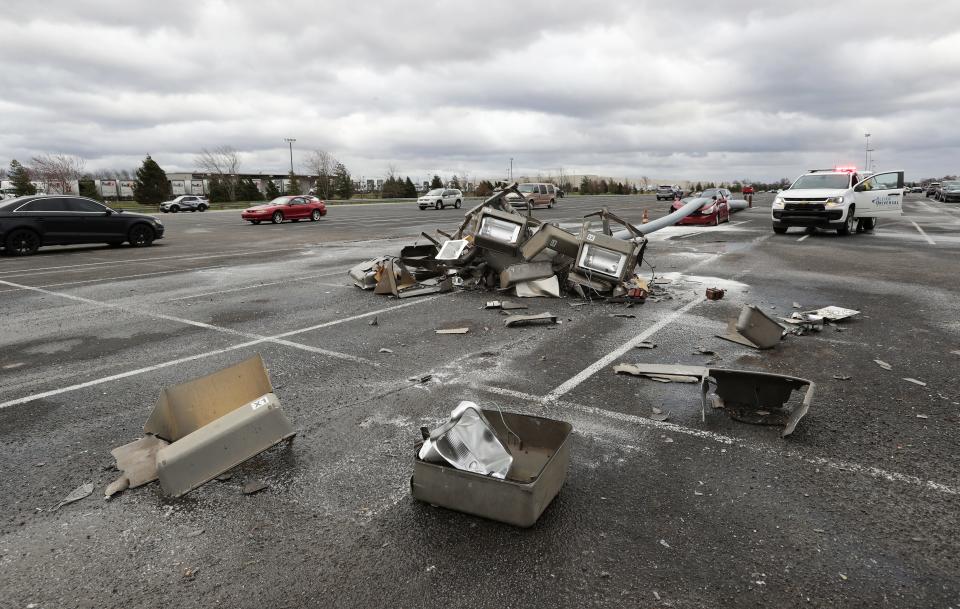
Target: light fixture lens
499, 230
602, 261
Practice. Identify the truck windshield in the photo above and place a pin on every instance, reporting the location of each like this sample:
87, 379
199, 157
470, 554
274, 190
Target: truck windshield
822, 180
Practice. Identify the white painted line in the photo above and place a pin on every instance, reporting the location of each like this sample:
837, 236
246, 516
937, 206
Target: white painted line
803, 237
619, 351
273, 339
258, 285
121, 277
54, 269
873, 472
196, 324
925, 236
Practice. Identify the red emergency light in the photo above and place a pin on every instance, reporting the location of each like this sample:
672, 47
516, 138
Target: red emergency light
847, 169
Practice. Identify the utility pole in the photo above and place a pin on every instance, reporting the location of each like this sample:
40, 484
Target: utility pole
511, 169
867, 151
290, 141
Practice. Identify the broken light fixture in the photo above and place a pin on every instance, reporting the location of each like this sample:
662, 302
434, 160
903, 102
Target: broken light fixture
467, 442
500, 231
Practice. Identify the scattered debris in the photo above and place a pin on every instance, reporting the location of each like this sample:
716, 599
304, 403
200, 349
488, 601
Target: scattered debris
842, 377
923, 416
385, 350
833, 313
453, 331
645, 345
526, 320
715, 293
883, 364
541, 287
204, 427
803, 322
254, 486
914, 381
373, 322
120, 484
956, 352
447, 475
663, 542
752, 397
420, 379
189, 572
753, 328
659, 415
625, 315
76, 494
704, 351
796, 305
656, 595
196, 533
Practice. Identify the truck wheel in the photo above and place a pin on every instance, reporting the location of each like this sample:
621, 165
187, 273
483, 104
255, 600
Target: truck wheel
780, 230
552, 203
849, 225
866, 224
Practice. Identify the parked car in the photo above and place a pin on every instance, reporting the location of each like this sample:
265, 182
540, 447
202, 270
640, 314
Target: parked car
28, 223
561, 193
293, 208
933, 188
669, 192
185, 203
949, 192
535, 194
713, 211
438, 198
747, 190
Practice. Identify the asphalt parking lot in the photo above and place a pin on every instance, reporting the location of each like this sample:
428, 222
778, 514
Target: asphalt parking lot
859, 507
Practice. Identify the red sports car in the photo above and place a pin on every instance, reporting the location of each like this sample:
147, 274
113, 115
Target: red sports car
713, 211
293, 208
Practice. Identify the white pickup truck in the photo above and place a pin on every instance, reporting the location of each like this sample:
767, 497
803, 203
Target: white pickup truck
838, 198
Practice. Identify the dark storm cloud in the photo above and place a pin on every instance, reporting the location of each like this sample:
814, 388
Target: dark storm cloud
672, 90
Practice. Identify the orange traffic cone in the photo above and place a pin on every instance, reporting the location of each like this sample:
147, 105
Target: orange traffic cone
645, 218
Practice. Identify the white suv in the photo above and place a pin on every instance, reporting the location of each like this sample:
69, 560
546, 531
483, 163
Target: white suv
439, 198
838, 198
185, 203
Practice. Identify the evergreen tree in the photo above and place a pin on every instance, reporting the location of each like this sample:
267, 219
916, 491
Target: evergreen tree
484, 188
271, 188
20, 177
151, 186
409, 190
603, 188
293, 185
436, 182
455, 182
585, 187
218, 191
88, 188
248, 191
342, 183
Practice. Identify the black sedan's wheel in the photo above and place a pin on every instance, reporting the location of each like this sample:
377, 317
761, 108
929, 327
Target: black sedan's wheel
277, 217
141, 235
315, 215
23, 242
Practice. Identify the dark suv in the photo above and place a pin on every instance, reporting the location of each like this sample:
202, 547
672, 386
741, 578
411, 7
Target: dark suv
27, 223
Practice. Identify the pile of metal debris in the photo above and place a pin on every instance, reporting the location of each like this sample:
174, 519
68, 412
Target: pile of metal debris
497, 247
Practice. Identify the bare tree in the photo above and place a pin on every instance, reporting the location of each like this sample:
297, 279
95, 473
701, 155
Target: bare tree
223, 163
321, 163
59, 171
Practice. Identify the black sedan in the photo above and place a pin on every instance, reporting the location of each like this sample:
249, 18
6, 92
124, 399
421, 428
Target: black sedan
26, 223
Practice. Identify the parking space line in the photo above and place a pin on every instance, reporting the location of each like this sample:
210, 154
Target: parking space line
191, 322
167, 272
278, 339
259, 285
925, 236
867, 470
55, 269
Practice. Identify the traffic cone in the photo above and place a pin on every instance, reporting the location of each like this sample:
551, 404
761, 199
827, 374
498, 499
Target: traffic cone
645, 218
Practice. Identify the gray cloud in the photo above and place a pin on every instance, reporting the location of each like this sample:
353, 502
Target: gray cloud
688, 89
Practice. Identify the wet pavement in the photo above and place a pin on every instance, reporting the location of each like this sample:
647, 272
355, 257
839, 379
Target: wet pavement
859, 507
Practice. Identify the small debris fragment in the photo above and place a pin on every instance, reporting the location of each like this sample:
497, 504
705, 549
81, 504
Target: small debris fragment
76, 495
493, 304
704, 351
914, 381
656, 595
667, 440
627, 315
453, 331
883, 364
646, 345
431, 568
190, 572
842, 377
374, 322
524, 320
843, 577
196, 533
956, 352
224, 477
714, 294
420, 379
120, 484
254, 486
663, 542
923, 416
385, 350
659, 415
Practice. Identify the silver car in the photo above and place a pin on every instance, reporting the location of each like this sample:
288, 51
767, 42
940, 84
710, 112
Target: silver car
185, 203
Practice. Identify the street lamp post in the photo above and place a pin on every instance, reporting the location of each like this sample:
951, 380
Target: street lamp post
290, 141
867, 151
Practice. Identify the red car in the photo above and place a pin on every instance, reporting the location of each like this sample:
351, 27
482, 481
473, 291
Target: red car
713, 210
293, 208
748, 190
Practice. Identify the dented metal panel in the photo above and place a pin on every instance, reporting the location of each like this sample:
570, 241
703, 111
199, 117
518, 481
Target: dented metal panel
222, 444
525, 271
550, 236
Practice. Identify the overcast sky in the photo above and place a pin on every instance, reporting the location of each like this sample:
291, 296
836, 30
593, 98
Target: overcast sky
683, 89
